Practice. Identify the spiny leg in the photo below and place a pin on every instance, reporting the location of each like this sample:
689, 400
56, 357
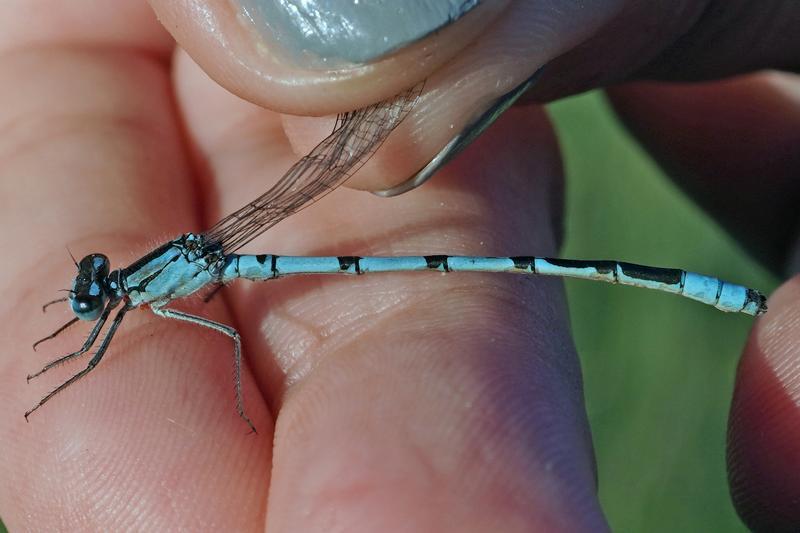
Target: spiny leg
86, 345
55, 333
237, 350
101, 350
59, 330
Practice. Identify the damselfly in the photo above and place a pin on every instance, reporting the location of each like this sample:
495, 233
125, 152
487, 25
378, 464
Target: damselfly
192, 262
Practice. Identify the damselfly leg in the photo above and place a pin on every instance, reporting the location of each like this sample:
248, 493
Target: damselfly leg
94, 360
237, 350
86, 345
55, 333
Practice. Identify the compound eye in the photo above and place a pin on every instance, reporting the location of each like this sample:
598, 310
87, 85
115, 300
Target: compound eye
88, 294
88, 307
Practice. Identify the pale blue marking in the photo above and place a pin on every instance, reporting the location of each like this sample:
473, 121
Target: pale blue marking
480, 264
169, 276
702, 288
393, 264
632, 281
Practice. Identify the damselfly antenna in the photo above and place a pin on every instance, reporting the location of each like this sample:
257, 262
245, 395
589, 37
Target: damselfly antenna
57, 300
74, 261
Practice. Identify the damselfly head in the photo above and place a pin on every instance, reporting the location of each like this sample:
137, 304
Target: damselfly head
89, 290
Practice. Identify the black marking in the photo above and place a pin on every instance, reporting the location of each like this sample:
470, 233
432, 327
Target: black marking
753, 296
142, 287
139, 263
347, 261
437, 262
524, 262
274, 266
261, 258
602, 267
668, 276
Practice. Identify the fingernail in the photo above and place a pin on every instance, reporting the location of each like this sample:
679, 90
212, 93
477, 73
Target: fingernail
471, 132
324, 33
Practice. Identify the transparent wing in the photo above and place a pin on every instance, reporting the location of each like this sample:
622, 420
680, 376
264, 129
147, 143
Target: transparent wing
355, 138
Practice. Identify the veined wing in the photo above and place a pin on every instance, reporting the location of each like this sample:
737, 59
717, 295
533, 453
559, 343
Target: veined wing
356, 136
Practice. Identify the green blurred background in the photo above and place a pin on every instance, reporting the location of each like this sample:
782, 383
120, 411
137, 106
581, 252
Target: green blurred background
658, 369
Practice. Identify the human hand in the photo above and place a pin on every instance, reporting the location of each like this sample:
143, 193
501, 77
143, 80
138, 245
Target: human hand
402, 402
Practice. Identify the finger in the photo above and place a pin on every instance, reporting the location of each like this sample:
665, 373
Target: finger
764, 428
84, 23
467, 79
283, 60
732, 145
225, 38
398, 391
435, 403
91, 158
687, 40
252, 48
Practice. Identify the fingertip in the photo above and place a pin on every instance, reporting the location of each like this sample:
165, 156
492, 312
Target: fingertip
764, 427
226, 40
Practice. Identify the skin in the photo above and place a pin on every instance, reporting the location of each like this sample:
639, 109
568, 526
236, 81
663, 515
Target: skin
403, 403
